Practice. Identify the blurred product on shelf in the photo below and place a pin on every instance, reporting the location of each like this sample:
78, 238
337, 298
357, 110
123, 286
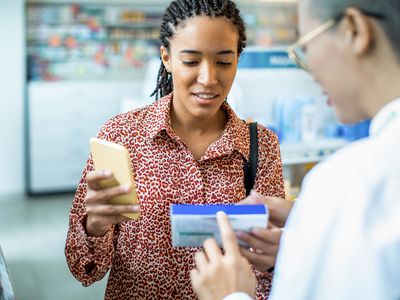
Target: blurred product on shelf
271, 24
296, 119
114, 40
70, 41
309, 127
287, 118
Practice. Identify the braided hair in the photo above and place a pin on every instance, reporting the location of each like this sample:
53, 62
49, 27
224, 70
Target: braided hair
179, 11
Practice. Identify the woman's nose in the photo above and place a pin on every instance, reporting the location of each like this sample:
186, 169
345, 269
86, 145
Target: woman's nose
208, 75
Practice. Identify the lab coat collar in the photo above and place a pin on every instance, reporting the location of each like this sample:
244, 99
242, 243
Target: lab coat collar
384, 117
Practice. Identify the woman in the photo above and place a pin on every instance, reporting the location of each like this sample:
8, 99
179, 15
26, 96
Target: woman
187, 147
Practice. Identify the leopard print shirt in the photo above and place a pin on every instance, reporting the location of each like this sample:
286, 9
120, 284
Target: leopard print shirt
139, 253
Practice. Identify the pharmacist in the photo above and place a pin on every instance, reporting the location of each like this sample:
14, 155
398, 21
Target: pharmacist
342, 238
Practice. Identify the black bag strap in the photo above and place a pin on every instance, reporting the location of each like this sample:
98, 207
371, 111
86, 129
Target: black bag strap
250, 166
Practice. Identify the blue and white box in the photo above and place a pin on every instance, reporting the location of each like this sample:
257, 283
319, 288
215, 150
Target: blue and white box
193, 224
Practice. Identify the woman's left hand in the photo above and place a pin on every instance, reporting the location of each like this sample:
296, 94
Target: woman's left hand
264, 243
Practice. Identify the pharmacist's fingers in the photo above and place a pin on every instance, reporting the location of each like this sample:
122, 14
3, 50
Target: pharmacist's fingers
212, 250
195, 277
94, 178
201, 260
228, 236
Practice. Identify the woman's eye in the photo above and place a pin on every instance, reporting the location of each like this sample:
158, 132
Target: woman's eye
225, 63
189, 63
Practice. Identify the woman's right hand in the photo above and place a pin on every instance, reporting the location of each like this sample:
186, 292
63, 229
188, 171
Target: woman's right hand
279, 208
101, 214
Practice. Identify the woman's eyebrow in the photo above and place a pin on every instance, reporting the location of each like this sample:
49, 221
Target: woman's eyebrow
189, 51
224, 52
196, 52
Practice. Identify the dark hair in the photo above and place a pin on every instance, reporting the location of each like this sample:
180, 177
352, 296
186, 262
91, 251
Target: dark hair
389, 9
179, 11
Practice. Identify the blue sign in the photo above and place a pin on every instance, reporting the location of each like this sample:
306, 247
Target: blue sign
265, 60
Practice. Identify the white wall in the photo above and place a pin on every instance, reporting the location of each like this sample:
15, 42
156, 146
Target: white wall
12, 76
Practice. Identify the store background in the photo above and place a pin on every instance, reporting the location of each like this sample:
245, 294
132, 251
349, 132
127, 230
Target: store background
49, 107
12, 83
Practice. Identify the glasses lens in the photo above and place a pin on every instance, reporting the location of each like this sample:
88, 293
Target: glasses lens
299, 57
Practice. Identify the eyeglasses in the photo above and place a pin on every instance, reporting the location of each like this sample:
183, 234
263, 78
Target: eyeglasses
296, 51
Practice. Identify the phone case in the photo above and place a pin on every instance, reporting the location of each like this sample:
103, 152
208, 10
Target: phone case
114, 157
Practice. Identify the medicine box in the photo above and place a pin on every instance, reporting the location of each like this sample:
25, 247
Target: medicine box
193, 224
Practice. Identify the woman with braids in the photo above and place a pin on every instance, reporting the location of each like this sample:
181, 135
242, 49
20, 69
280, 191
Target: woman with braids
188, 147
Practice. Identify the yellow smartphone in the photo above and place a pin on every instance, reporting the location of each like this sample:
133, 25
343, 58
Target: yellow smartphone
115, 158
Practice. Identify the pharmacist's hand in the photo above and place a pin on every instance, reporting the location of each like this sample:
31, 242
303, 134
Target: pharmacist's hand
101, 215
279, 208
264, 243
217, 275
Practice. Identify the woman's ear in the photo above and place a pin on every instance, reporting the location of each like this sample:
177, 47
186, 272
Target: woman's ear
166, 58
358, 31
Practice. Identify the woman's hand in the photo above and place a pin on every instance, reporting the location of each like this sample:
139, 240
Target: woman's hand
265, 245
101, 215
279, 208
264, 242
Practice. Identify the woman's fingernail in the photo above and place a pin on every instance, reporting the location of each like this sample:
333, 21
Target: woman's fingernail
125, 187
106, 173
134, 208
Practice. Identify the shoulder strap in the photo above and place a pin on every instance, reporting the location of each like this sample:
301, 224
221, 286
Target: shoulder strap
250, 166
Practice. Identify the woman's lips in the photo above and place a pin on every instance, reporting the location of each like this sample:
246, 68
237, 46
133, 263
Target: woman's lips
205, 98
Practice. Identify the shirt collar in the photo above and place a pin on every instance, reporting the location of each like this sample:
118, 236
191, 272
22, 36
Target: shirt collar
158, 116
232, 137
384, 117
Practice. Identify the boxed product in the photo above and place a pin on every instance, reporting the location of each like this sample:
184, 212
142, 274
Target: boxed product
192, 224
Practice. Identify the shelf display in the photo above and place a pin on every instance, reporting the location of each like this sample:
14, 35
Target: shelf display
87, 59
94, 41
71, 41
270, 24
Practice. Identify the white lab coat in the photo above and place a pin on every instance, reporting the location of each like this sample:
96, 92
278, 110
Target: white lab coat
342, 239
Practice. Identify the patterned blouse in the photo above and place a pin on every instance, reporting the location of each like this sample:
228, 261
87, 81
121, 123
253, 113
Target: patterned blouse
143, 263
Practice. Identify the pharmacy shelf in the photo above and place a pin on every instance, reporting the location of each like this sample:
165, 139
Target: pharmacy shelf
104, 2
309, 152
158, 2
